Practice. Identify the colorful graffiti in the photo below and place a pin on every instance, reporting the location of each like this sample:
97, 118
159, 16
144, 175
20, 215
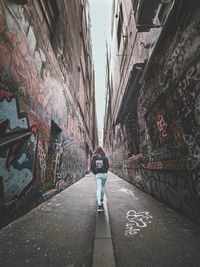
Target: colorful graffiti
167, 165
17, 62
73, 161
20, 68
34, 158
54, 156
19, 131
18, 143
154, 165
138, 156
176, 108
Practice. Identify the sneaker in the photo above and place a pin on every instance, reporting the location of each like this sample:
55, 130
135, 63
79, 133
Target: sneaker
100, 208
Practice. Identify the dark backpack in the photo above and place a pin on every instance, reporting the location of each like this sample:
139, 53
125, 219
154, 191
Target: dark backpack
99, 165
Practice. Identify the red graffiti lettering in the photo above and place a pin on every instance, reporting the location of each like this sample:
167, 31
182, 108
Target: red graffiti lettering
7, 94
138, 156
14, 148
154, 165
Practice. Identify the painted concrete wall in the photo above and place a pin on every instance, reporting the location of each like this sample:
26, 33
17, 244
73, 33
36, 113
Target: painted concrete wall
44, 138
167, 130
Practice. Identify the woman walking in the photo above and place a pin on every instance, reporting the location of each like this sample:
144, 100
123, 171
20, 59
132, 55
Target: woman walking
100, 166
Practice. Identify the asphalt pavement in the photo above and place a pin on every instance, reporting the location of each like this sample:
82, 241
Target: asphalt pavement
135, 230
146, 233
58, 233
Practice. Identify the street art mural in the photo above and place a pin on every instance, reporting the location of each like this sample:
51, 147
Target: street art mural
34, 155
18, 143
168, 165
173, 125
19, 134
17, 63
73, 158
67, 159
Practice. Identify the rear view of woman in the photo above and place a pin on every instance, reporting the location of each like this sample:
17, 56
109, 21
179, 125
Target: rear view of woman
100, 166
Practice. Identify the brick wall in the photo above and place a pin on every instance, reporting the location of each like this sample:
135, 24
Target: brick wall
44, 132
167, 129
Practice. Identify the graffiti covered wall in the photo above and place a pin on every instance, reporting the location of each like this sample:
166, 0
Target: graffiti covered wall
42, 138
168, 163
170, 112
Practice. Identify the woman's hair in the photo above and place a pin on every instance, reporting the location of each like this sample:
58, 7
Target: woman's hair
99, 150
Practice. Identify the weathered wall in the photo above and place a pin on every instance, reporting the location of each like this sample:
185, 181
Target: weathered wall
42, 134
169, 108
167, 164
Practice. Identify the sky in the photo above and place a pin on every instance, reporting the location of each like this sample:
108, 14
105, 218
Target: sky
100, 13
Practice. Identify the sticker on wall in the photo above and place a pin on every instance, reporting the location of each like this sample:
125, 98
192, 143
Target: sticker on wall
136, 221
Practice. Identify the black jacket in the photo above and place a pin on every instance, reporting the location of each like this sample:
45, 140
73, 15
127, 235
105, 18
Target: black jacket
99, 164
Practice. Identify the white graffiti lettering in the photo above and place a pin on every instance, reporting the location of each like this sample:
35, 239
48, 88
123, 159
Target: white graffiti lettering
130, 229
42, 158
162, 126
125, 190
135, 220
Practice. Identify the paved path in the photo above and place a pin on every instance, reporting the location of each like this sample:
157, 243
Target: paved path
103, 248
58, 233
66, 231
146, 233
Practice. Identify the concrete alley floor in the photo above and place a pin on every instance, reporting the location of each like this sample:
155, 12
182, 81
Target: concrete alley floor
146, 233
66, 231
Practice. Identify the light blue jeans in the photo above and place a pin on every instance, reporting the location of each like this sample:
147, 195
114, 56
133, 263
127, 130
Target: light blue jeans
100, 181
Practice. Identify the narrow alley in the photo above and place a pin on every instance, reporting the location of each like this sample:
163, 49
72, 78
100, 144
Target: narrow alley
66, 231
111, 85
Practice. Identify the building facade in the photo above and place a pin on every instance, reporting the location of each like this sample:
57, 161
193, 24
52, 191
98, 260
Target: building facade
152, 125
48, 126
